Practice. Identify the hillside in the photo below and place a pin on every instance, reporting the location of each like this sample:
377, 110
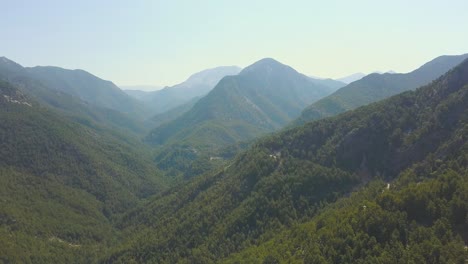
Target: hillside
375, 87
268, 198
59, 98
63, 184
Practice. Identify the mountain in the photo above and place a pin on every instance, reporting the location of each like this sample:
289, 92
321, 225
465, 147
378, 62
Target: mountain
142, 88
88, 88
385, 183
59, 99
375, 87
352, 78
199, 84
262, 98
63, 184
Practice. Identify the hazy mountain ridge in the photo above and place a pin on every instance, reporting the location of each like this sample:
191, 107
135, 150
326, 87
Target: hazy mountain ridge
374, 87
197, 85
65, 102
352, 78
88, 88
265, 95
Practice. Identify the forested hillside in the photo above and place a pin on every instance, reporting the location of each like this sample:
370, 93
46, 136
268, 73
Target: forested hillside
58, 98
403, 160
63, 184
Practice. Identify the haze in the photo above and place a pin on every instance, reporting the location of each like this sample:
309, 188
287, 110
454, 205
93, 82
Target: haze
163, 42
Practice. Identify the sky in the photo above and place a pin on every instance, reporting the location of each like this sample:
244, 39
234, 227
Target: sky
162, 43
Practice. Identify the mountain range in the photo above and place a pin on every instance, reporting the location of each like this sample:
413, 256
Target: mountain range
375, 87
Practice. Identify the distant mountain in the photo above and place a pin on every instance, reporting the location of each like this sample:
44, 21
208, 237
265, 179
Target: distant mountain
334, 84
351, 78
88, 88
62, 183
199, 84
138, 94
375, 87
144, 88
384, 183
58, 94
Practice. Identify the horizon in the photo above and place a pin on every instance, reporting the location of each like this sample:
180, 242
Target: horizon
152, 87
155, 43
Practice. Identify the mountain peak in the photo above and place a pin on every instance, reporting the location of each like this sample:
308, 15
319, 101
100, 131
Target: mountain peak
443, 63
266, 61
267, 66
9, 63
4, 59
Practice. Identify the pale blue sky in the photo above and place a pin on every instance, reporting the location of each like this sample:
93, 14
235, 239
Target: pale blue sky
162, 42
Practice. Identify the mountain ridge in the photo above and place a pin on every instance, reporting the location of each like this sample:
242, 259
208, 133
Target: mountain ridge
266, 94
67, 103
196, 85
374, 87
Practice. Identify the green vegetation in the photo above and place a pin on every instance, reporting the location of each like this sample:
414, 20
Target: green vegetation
63, 184
413, 221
